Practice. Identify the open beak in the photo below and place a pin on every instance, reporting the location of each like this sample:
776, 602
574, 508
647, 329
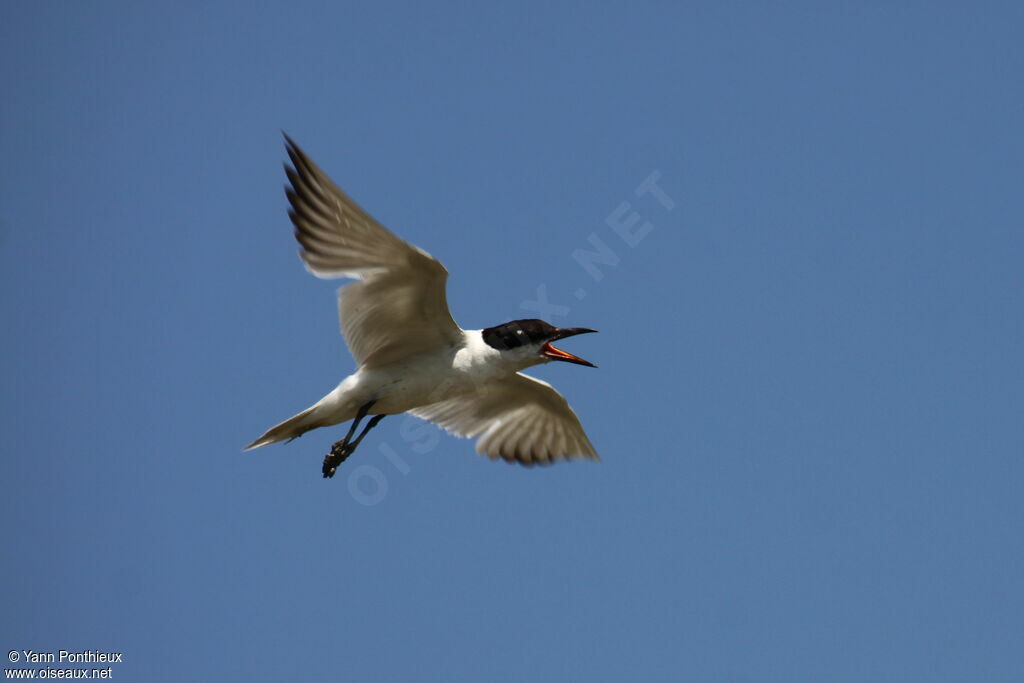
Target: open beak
558, 354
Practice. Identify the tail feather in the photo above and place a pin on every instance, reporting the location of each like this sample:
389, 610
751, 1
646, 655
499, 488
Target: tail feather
292, 428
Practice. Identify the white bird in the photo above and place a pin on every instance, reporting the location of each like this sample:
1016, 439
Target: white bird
412, 356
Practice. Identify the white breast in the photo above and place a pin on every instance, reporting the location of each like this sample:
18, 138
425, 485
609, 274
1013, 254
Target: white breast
431, 377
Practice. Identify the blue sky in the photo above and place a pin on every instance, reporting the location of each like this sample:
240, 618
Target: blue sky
811, 382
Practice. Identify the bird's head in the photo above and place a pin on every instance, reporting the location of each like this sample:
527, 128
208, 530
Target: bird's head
531, 339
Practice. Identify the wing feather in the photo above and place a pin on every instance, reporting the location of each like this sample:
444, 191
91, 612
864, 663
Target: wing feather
518, 419
398, 307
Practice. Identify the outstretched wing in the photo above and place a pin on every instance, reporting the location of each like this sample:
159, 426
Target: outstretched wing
398, 306
519, 419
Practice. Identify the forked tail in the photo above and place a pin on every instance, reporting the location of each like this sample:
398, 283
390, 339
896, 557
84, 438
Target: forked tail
291, 428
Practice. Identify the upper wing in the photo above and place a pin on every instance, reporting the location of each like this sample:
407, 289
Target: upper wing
398, 308
518, 418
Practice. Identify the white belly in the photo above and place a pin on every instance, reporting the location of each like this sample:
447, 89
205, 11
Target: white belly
419, 381
404, 386
410, 384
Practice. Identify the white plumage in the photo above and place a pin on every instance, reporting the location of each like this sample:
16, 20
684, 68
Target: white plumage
412, 355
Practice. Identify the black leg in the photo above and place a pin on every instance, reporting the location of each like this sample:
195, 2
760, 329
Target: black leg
344, 448
360, 414
369, 425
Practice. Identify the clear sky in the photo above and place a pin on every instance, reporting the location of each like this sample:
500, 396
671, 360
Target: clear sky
811, 385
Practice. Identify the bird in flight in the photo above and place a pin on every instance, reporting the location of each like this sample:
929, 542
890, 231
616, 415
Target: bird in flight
412, 356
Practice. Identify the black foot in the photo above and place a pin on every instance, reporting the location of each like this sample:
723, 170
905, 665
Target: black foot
339, 452
346, 447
